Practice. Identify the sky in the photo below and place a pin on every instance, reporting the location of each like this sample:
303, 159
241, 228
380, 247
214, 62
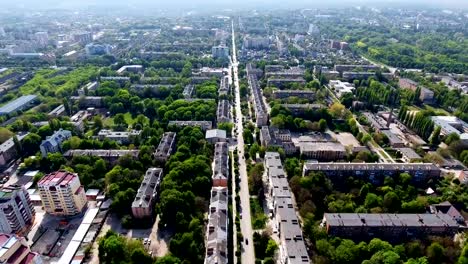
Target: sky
174, 4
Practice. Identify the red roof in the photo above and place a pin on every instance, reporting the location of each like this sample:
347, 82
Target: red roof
57, 178
29, 258
18, 253
3, 238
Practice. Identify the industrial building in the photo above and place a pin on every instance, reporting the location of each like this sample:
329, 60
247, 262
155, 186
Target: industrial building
19, 104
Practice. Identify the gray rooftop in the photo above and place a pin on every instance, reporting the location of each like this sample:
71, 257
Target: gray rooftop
17, 104
148, 188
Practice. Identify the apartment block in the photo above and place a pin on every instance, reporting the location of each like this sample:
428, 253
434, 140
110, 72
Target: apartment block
220, 165
284, 82
272, 136
215, 135
188, 91
224, 86
109, 155
145, 199
16, 210
223, 113
166, 147
221, 51
9, 151
123, 137
62, 193
426, 96
374, 172
88, 101
292, 248
394, 227
349, 67
305, 94
261, 114
79, 119
204, 125
217, 228
15, 250
58, 111
322, 151
302, 109
53, 143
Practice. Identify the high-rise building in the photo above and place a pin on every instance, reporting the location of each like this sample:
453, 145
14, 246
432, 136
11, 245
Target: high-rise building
16, 210
14, 250
62, 193
42, 38
221, 51
83, 38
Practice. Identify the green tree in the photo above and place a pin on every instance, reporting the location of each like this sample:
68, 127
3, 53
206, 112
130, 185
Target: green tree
392, 202
435, 253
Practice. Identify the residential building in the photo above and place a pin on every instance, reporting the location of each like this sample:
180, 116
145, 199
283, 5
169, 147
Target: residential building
292, 248
274, 137
22, 103
426, 95
15, 250
305, 94
261, 114
142, 206
97, 49
322, 151
256, 42
62, 193
363, 68
393, 227
118, 79
53, 143
109, 155
217, 227
9, 151
79, 119
188, 91
408, 154
204, 125
220, 165
374, 172
166, 147
16, 210
130, 68
393, 140
220, 52
284, 82
302, 109
58, 111
123, 137
83, 37
88, 101
223, 111
224, 86
341, 88
325, 71
42, 38
92, 86
277, 73
215, 136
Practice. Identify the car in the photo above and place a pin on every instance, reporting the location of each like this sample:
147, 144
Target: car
240, 215
246, 241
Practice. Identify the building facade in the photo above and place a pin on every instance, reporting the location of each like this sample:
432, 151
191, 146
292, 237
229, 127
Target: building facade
15, 250
62, 193
142, 206
53, 143
16, 210
9, 150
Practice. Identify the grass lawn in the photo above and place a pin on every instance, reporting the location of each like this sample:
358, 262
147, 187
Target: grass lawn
109, 122
259, 218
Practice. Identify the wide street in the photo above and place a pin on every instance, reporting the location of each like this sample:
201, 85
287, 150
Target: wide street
248, 255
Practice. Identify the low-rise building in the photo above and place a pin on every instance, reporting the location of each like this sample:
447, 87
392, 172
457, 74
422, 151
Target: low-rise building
123, 137
188, 91
58, 111
376, 122
349, 67
88, 101
302, 109
130, 68
426, 95
373, 172
204, 125
118, 79
394, 227
216, 135
53, 143
166, 147
217, 228
16, 210
341, 87
92, 86
223, 113
322, 151
393, 140
452, 124
9, 150
292, 248
305, 94
15, 250
220, 165
22, 103
224, 87
109, 155
274, 137
408, 154
285, 82
62, 193
145, 199
79, 119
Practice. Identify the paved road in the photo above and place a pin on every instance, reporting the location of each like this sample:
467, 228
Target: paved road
248, 255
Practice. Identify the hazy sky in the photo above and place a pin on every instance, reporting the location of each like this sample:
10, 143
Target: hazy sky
44, 4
